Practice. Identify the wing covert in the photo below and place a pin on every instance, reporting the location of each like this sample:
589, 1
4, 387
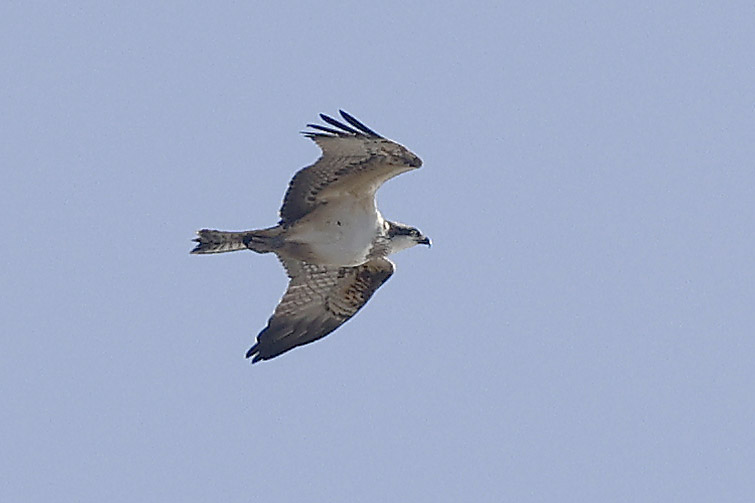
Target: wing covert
318, 300
354, 159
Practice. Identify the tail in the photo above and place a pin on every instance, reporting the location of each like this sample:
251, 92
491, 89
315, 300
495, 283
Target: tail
212, 241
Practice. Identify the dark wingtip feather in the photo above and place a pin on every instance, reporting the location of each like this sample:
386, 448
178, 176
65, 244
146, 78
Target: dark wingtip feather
326, 129
339, 124
357, 124
339, 128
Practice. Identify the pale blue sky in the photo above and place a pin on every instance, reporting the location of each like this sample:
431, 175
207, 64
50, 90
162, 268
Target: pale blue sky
581, 330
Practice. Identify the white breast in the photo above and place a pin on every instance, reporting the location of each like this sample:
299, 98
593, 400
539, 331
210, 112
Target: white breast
340, 232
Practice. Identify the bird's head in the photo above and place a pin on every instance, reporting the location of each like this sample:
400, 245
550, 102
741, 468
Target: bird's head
404, 236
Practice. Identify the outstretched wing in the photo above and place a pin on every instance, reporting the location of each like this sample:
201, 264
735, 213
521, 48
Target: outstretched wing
318, 300
355, 159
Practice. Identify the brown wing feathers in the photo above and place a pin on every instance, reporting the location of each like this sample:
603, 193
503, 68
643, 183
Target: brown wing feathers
317, 302
337, 160
350, 151
359, 129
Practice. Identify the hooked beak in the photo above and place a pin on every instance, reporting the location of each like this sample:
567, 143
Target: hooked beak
425, 241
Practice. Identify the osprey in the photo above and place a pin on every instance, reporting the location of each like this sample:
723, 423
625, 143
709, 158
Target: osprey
331, 238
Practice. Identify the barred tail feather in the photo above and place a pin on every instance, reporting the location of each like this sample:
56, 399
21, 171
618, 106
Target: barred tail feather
212, 241
260, 241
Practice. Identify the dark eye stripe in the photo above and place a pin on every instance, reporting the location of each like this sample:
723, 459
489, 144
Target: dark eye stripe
403, 231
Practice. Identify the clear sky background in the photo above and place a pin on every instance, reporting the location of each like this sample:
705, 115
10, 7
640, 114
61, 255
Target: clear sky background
581, 330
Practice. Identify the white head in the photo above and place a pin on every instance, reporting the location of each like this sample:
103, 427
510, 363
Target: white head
404, 236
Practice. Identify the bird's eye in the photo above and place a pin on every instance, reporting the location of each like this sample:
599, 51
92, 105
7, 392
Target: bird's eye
414, 233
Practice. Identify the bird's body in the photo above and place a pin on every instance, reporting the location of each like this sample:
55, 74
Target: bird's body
340, 233
331, 237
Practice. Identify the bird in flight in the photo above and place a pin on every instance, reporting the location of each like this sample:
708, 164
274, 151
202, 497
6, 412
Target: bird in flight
331, 238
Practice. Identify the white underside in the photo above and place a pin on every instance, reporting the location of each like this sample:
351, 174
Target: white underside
341, 232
